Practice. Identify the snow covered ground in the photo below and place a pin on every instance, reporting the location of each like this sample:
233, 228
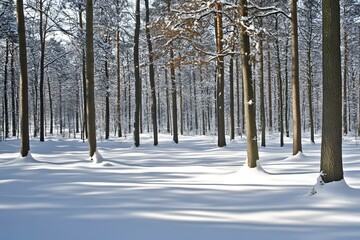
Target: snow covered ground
192, 190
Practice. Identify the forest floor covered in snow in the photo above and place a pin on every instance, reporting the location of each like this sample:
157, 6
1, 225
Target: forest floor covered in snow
192, 190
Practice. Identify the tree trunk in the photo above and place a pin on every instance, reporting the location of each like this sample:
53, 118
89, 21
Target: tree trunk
287, 132
269, 85
231, 79
202, 102
249, 105
151, 76
195, 105
309, 85
137, 76
90, 79
181, 91
220, 76
85, 128
24, 109
13, 90
237, 71
345, 72
297, 147
262, 97
331, 145
42, 32
280, 89
51, 108
6, 113
174, 97
167, 102
118, 95
107, 96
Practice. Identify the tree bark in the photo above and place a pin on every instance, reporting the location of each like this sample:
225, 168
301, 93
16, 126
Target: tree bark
90, 79
118, 79
173, 96
24, 112
85, 128
220, 76
137, 75
13, 90
269, 85
51, 108
107, 95
249, 105
280, 89
331, 145
42, 33
151, 76
297, 146
262, 95
231, 80
6, 113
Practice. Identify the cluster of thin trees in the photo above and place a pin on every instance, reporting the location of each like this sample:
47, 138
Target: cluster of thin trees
199, 67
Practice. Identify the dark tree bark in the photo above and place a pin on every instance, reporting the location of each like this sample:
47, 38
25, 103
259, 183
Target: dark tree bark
262, 95
280, 88
137, 75
331, 145
167, 102
269, 85
85, 128
151, 76
24, 108
232, 115
6, 113
51, 108
42, 31
118, 95
297, 146
107, 95
13, 90
220, 76
249, 105
90, 79
173, 96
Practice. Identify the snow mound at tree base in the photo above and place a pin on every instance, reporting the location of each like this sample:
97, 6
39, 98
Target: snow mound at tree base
336, 188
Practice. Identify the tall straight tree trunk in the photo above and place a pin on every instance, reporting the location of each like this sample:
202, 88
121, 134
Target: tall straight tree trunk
107, 96
85, 128
287, 131
24, 108
42, 32
51, 108
195, 105
309, 82
280, 88
151, 76
118, 79
167, 102
181, 91
345, 72
249, 105
237, 71
13, 90
262, 95
173, 96
203, 127
6, 113
232, 115
331, 145
297, 146
269, 84
90, 79
137, 75
220, 76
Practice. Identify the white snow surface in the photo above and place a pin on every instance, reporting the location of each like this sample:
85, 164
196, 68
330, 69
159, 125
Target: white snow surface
192, 190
